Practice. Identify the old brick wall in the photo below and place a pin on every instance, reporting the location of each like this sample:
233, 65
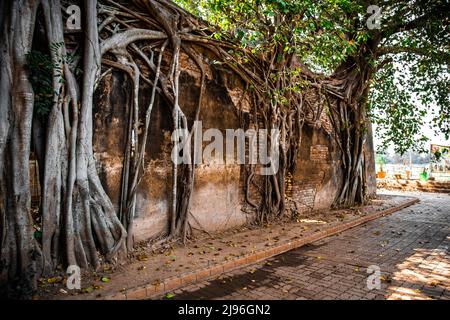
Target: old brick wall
216, 203
316, 177
218, 198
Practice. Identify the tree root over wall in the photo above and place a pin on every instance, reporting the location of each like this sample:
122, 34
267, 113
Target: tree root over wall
79, 223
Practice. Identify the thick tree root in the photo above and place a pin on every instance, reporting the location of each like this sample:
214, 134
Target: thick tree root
79, 222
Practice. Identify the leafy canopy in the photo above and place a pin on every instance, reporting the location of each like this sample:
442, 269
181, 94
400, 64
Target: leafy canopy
410, 57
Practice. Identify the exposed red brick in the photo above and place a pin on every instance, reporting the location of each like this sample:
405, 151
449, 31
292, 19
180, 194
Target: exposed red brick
203, 274
240, 261
171, 283
214, 271
228, 265
155, 288
189, 278
137, 294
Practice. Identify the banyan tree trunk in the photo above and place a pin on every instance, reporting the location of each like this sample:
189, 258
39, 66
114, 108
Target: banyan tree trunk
78, 218
79, 222
19, 255
76, 210
349, 88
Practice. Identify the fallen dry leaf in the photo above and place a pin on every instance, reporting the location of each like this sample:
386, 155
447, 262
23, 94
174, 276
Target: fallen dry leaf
143, 257
87, 290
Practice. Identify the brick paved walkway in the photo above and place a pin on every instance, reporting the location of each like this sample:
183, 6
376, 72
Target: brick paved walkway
411, 248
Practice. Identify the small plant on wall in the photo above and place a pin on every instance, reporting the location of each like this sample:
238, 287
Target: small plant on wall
380, 160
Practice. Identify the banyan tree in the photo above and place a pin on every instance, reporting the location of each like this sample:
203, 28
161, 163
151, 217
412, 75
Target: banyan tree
53, 79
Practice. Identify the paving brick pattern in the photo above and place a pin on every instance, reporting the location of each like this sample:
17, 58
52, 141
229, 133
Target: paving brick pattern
410, 248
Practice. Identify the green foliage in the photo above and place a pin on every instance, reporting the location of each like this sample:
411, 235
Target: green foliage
315, 30
397, 114
438, 154
411, 90
40, 68
411, 57
380, 159
169, 295
407, 95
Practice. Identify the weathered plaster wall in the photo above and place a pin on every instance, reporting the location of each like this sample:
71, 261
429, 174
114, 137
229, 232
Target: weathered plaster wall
217, 202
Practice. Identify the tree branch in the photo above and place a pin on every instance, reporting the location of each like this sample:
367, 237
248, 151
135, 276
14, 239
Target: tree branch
443, 56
